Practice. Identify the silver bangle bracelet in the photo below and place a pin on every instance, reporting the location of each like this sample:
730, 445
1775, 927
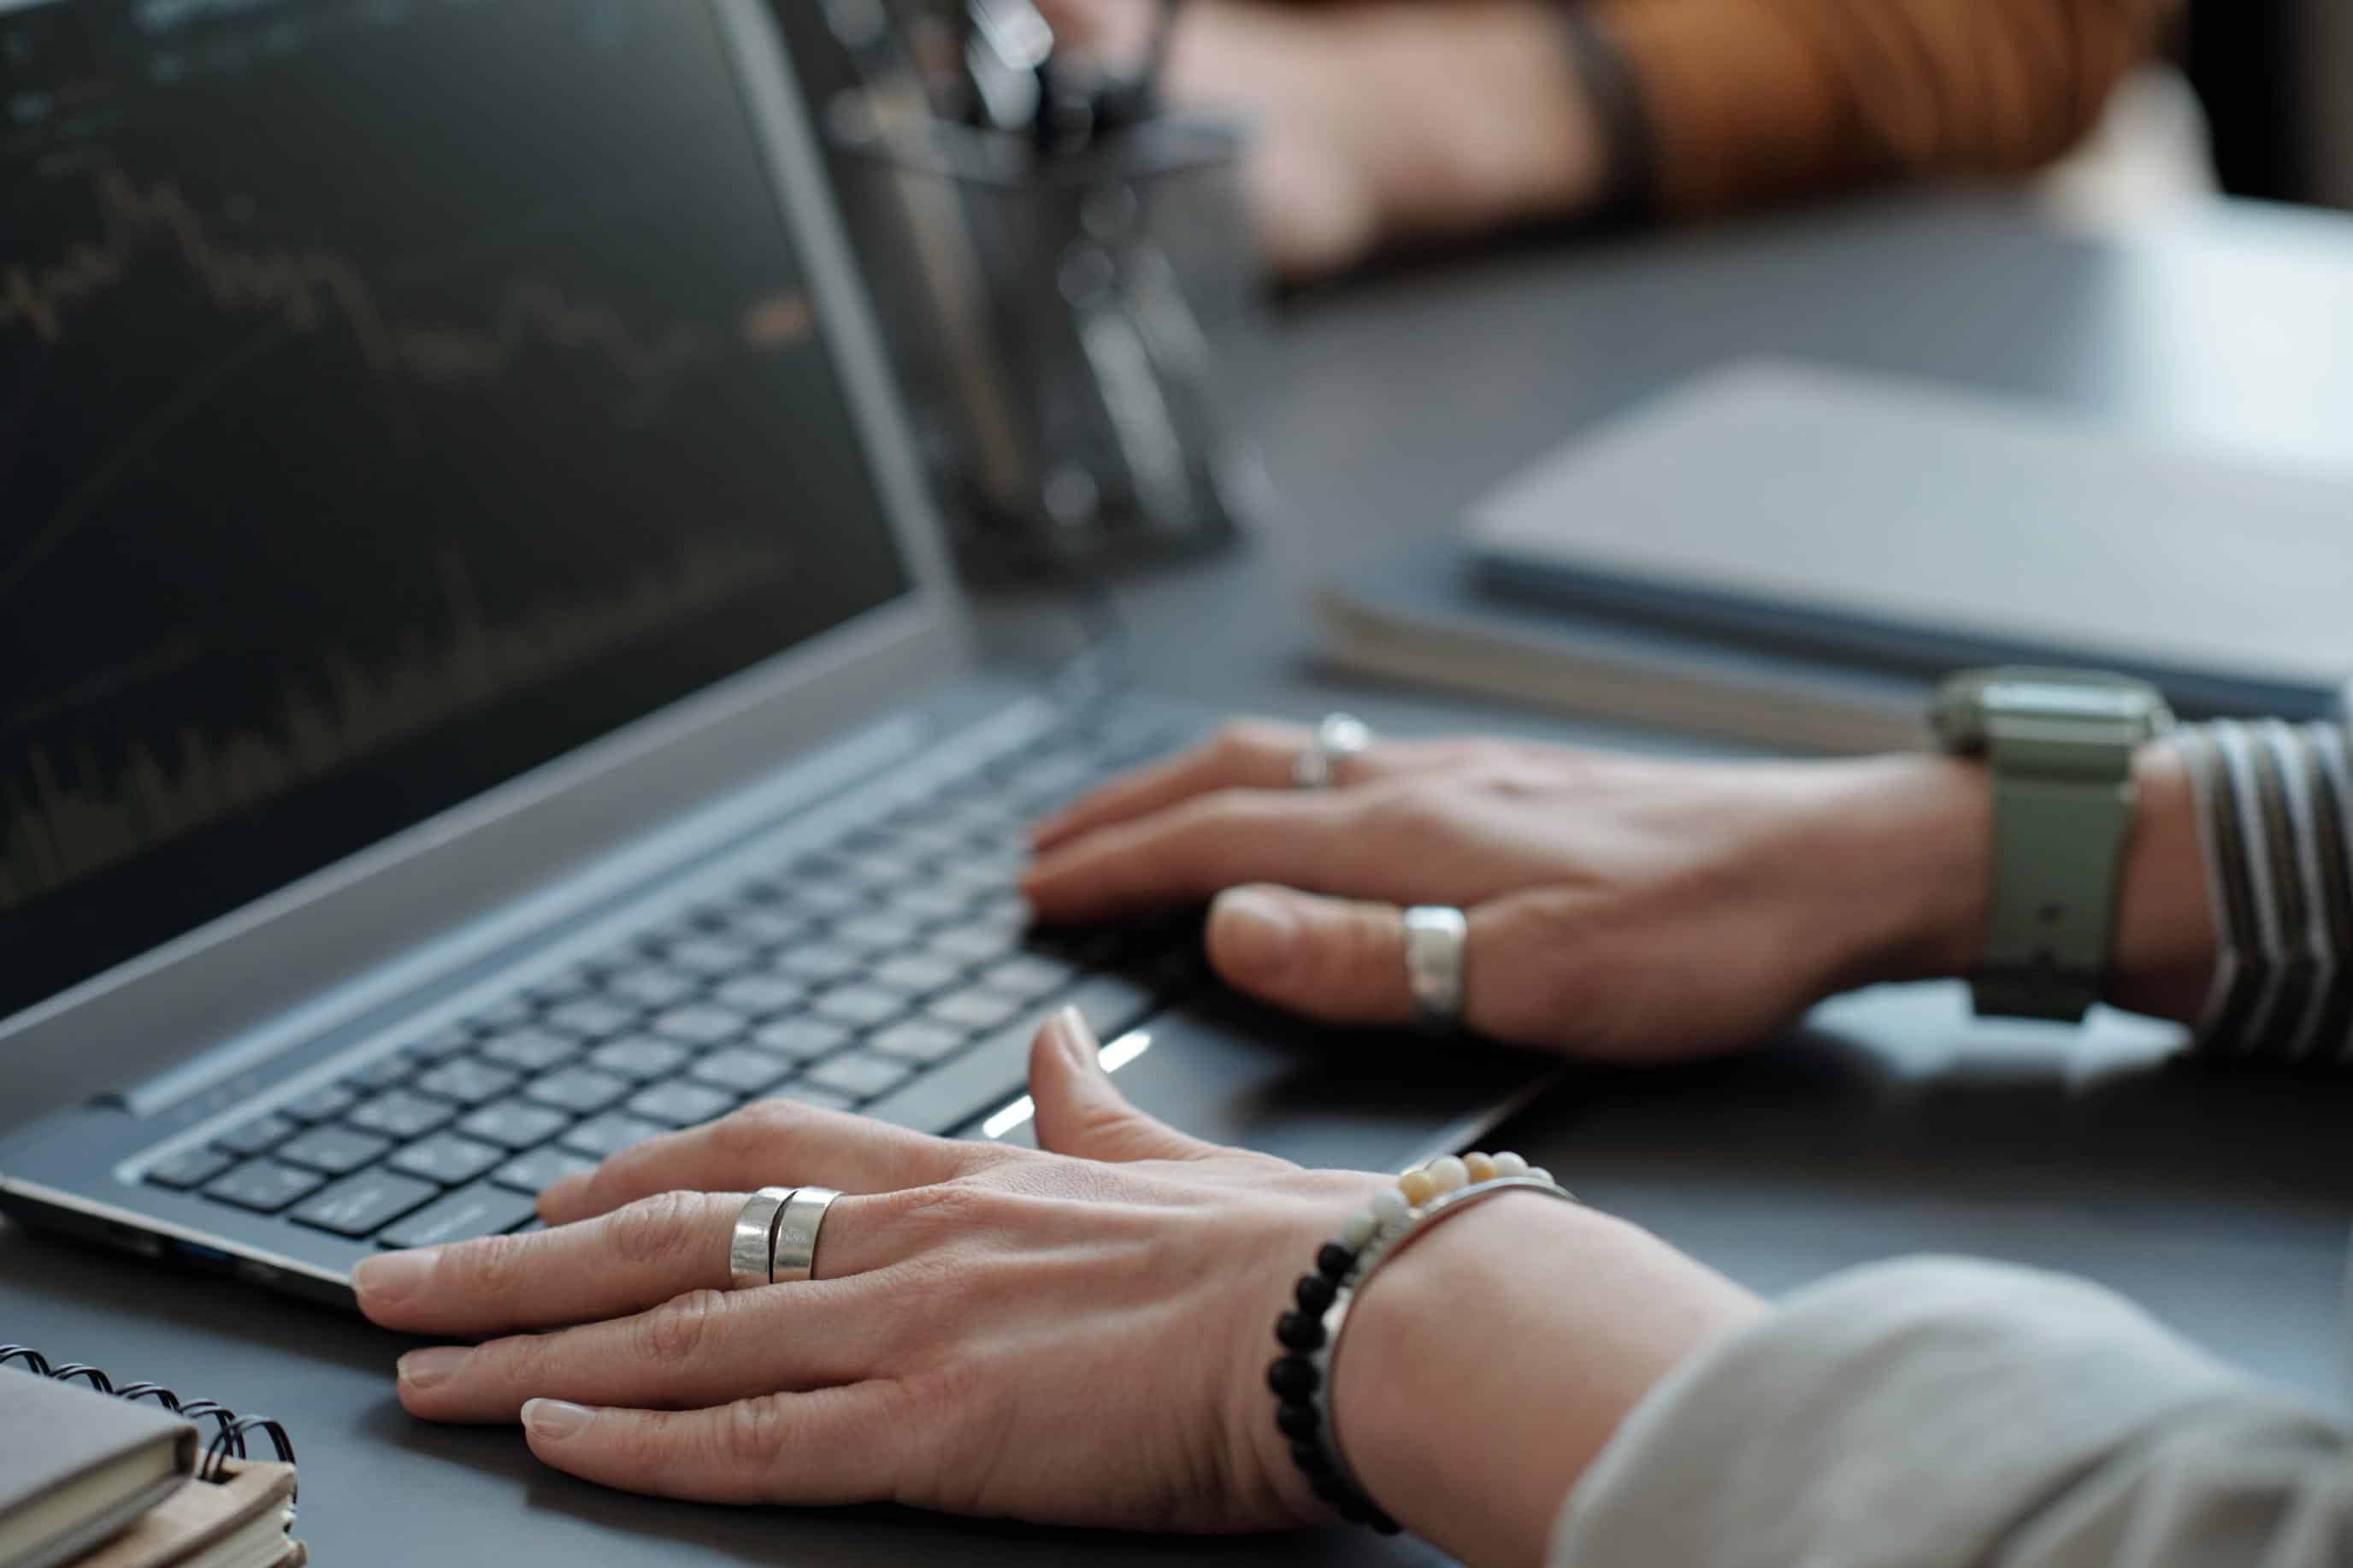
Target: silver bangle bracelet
1377, 1254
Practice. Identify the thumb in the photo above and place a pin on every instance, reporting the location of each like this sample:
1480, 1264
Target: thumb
1081, 1113
1338, 960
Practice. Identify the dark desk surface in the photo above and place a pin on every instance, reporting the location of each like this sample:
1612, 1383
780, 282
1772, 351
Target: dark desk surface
1892, 1125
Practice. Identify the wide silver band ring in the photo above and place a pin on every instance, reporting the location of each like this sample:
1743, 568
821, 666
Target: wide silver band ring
1435, 941
797, 1224
754, 1240
1339, 737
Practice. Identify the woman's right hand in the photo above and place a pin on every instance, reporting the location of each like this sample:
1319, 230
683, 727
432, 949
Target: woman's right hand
1619, 907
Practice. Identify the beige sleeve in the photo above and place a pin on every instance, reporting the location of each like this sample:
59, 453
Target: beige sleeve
1748, 100
1949, 1414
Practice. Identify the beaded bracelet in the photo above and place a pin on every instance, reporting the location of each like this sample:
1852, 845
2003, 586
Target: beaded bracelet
1310, 1333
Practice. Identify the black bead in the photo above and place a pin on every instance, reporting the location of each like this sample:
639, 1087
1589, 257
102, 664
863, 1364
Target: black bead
1298, 1423
1333, 1260
1299, 1332
1293, 1379
1310, 1457
1316, 1294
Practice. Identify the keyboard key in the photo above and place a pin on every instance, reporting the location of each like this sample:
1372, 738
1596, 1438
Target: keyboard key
513, 1123
189, 1168
321, 1104
441, 1045
382, 1072
363, 1205
506, 1014
930, 904
593, 1017
639, 1057
337, 1151
652, 986
265, 1186
479, 1210
877, 932
802, 1040
680, 1104
812, 1094
701, 1025
1028, 975
917, 974
742, 1070
764, 927
400, 1115
541, 1169
820, 963
530, 1050
557, 989
447, 1158
609, 1134
710, 957
860, 1074
466, 1081
919, 1042
760, 995
978, 1009
976, 943
583, 1091
261, 1133
823, 893
862, 1006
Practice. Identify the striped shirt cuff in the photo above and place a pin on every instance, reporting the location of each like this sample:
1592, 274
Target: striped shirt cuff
2276, 815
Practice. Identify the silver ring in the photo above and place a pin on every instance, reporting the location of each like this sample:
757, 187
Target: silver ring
1435, 939
798, 1223
1339, 737
755, 1238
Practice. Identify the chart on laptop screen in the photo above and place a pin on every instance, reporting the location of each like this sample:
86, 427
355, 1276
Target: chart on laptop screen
394, 395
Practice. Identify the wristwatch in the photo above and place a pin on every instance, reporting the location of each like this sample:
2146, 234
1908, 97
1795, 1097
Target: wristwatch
2058, 744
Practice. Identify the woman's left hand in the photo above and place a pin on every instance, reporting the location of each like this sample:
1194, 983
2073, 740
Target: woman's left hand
1077, 1336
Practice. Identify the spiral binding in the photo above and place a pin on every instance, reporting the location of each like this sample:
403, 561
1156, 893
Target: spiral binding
230, 1428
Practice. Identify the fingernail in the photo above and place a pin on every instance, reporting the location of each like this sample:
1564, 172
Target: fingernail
392, 1277
420, 1370
1255, 932
554, 1419
1074, 1038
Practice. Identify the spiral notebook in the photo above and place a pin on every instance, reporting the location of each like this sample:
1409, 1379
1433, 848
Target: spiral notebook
105, 1476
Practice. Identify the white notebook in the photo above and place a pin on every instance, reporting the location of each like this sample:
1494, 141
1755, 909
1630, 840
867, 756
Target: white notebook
1905, 527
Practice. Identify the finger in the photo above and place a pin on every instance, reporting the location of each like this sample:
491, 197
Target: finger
1336, 959
705, 1347
828, 1446
1195, 849
1079, 1111
771, 1142
1250, 754
626, 1261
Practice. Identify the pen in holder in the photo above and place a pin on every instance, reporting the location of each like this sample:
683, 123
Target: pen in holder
1059, 323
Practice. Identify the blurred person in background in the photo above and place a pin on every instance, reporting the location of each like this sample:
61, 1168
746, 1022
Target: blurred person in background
1384, 121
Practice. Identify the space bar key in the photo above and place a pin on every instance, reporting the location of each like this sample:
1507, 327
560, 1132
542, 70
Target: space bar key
983, 1077
479, 1210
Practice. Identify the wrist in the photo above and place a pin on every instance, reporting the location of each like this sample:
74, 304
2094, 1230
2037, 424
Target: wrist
1484, 1368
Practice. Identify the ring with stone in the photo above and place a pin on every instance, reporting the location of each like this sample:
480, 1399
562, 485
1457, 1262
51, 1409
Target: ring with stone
1339, 737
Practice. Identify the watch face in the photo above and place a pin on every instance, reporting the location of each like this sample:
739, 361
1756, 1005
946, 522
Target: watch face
1968, 702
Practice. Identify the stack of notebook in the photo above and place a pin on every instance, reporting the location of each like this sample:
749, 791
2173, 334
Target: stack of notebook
1793, 556
96, 1477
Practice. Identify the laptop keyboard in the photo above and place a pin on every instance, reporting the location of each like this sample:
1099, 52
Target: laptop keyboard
842, 980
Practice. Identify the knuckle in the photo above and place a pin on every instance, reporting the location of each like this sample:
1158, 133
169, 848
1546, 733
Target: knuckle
493, 1267
751, 1131
753, 1435
673, 1334
651, 1230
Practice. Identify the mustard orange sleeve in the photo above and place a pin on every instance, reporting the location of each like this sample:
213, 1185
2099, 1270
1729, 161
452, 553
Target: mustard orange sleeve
1750, 100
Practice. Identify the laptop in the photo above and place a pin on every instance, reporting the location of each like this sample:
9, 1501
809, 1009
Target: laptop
480, 684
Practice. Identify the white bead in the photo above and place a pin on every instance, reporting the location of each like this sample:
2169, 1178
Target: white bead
1390, 1206
1448, 1173
1539, 1173
1357, 1232
1510, 1165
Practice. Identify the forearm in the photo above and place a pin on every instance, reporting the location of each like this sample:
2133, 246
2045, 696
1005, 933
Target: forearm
1486, 1366
1752, 99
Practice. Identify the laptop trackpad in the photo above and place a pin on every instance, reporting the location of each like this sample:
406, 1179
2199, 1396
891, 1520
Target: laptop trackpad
1227, 1070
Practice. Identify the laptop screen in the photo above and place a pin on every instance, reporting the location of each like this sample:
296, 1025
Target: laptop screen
394, 394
